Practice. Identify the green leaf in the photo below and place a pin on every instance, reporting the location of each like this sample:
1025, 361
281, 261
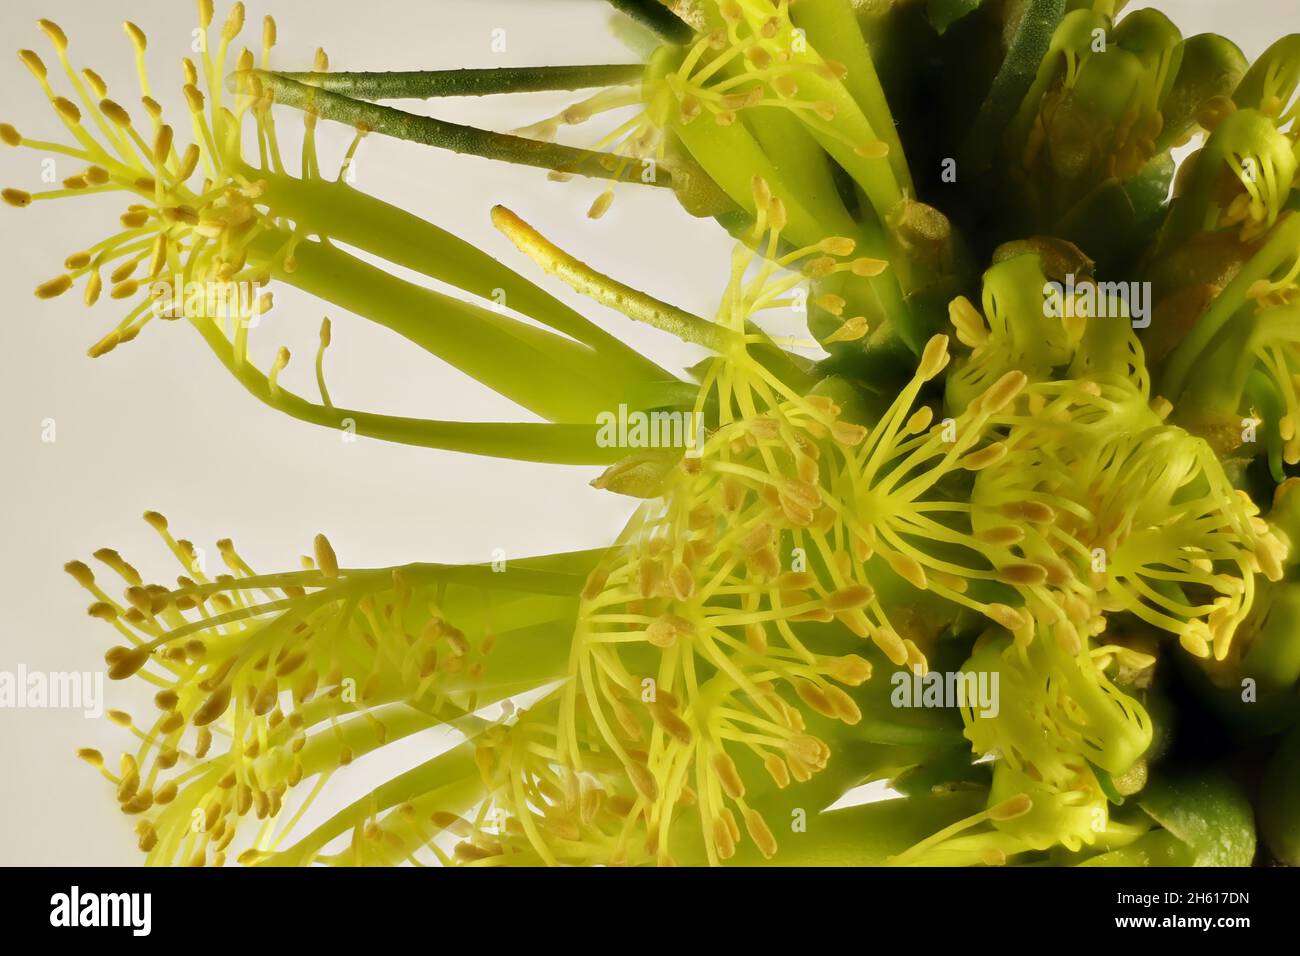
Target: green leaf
1209, 812
1157, 848
867, 835
1032, 38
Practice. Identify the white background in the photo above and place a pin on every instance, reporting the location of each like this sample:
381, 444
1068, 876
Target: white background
158, 424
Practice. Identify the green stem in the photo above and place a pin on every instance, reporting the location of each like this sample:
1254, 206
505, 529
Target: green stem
429, 84
452, 776
430, 131
638, 305
656, 16
633, 303
551, 376
541, 442
354, 218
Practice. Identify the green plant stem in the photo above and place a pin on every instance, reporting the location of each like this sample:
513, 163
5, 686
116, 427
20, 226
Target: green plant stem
638, 305
551, 376
657, 17
631, 302
430, 84
452, 777
542, 442
350, 216
430, 131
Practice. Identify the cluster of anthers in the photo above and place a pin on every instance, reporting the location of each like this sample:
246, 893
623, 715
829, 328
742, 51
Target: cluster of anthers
697, 639
1273, 345
294, 674
756, 60
1126, 514
1138, 514
1085, 57
196, 234
1255, 162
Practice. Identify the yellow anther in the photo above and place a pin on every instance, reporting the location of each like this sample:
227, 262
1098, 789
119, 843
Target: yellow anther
33, 63
234, 23
1004, 535
850, 598
55, 33
115, 113
1010, 618
966, 319
1023, 574
850, 331
326, 560
759, 833
987, 456
664, 632
601, 204
138, 39
1033, 511
95, 82
837, 246
1002, 392
162, 144
868, 268
67, 109
728, 775
933, 358
834, 304
54, 287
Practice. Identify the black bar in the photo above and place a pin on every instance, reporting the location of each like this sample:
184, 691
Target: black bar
384, 907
